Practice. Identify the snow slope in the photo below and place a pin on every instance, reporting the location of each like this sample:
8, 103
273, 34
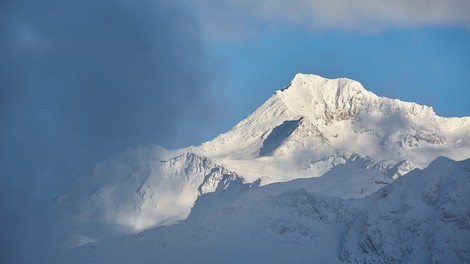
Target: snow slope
143, 187
314, 119
312, 127
423, 217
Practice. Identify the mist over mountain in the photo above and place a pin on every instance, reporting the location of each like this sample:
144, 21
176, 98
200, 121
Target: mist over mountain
84, 80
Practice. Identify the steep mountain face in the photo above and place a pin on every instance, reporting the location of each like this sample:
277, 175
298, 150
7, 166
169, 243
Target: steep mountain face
422, 217
312, 127
314, 118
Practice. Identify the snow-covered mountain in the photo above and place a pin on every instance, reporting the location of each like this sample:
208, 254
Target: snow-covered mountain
315, 123
311, 127
423, 217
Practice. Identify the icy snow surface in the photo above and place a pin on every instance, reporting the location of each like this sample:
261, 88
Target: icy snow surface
358, 141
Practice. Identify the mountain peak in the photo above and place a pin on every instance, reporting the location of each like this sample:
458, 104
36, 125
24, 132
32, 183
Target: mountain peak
321, 85
323, 98
315, 117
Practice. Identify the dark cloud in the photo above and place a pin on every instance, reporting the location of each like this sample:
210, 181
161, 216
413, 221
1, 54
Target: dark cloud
83, 79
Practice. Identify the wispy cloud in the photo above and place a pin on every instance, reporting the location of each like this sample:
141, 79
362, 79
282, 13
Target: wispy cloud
229, 18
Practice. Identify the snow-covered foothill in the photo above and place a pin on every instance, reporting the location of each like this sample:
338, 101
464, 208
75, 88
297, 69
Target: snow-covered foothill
422, 217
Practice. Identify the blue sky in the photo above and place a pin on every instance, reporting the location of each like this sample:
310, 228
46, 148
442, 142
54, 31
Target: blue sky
428, 65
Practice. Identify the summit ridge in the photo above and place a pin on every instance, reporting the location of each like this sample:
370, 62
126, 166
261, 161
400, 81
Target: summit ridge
340, 115
313, 95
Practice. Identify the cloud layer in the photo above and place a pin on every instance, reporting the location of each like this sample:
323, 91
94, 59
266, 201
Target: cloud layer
80, 77
231, 17
83, 80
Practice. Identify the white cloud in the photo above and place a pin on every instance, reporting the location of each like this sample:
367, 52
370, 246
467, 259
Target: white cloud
230, 18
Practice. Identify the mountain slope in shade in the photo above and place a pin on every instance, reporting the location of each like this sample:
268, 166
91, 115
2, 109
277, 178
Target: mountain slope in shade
313, 126
422, 217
